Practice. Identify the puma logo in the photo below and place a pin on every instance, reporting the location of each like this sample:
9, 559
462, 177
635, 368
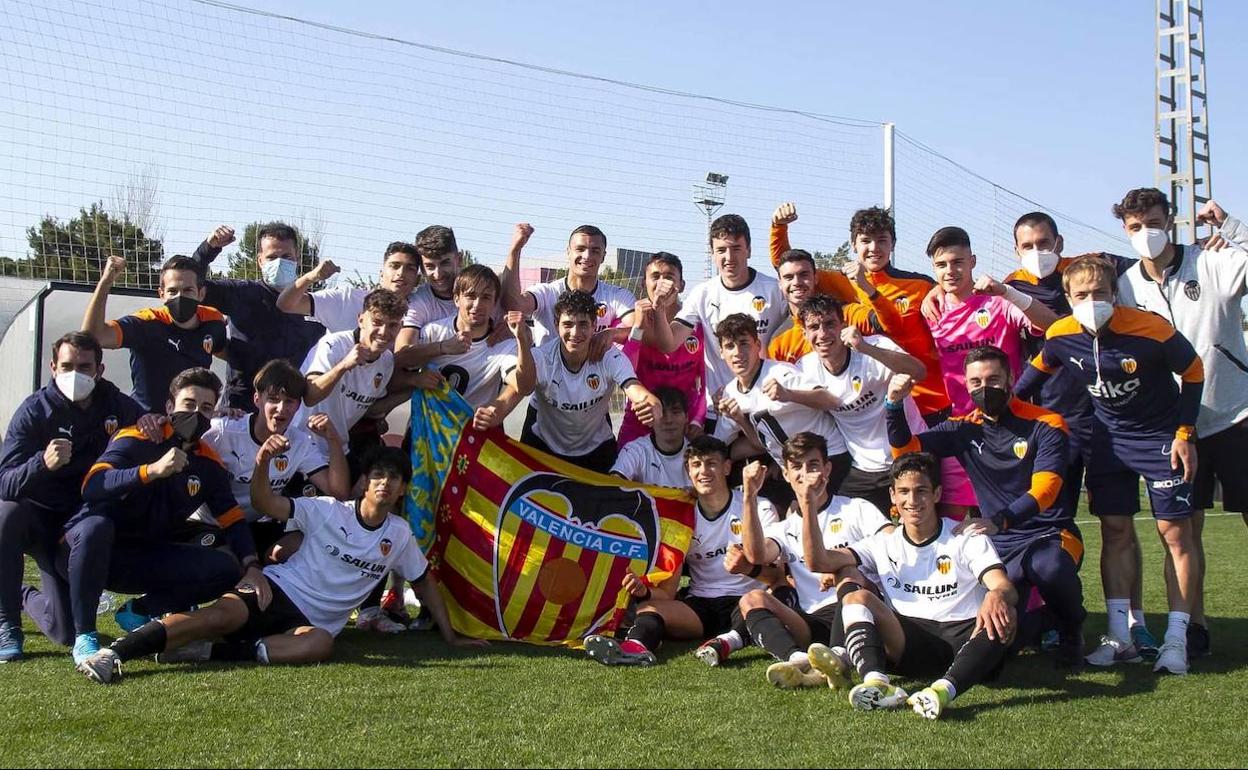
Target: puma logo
177, 345
979, 446
1185, 499
1077, 362
66, 431
345, 534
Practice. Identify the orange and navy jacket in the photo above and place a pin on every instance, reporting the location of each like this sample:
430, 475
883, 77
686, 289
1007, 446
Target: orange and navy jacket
145, 509
895, 311
1015, 463
160, 349
1128, 369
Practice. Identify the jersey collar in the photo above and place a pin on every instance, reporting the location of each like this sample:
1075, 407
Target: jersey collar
360, 519
940, 527
742, 287
754, 381
1171, 270
720, 512
660, 451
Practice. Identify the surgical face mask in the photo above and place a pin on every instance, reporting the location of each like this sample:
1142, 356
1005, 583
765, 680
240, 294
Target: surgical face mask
1039, 263
1150, 242
991, 400
1093, 314
279, 273
189, 426
75, 386
182, 307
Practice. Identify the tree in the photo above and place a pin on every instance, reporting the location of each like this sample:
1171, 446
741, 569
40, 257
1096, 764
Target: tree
466, 258
75, 250
242, 263
834, 261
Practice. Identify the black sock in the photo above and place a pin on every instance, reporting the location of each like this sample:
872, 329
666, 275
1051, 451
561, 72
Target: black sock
977, 659
233, 651
866, 648
374, 598
770, 634
648, 630
147, 639
738, 625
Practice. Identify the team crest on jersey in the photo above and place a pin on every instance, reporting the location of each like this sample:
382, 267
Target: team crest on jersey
207, 344
1129, 365
309, 490
856, 382
192, 485
691, 344
760, 303
944, 565
110, 424
281, 463
593, 381
377, 380
1020, 448
1192, 290
835, 526
385, 547
982, 318
902, 303
735, 526
602, 310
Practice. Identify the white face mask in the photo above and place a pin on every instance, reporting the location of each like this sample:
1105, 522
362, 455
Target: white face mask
279, 273
1093, 314
1039, 263
1150, 242
75, 386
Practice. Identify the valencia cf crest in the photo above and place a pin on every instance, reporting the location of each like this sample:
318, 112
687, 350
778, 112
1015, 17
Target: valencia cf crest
760, 303
281, 463
944, 565
602, 310
1192, 290
385, 547
110, 424
982, 318
691, 344
735, 526
856, 383
192, 485
902, 303
309, 491
207, 344
377, 380
1020, 448
835, 526
593, 381
1129, 365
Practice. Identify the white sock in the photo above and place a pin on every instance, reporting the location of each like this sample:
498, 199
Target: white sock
1137, 618
801, 660
1176, 627
1119, 611
876, 676
733, 640
262, 652
947, 686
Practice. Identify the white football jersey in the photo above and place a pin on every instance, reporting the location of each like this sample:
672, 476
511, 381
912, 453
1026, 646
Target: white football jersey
641, 460
843, 521
937, 580
426, 307
477, 374
342, 560
710, 302
712, 537
861, 388
614, 304
776, 421
573, 407
338, 309
356, 390
234, 442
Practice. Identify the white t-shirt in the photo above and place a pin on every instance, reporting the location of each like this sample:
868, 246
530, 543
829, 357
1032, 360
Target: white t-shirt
861, 388
937, 580
776, 421
843, 521
427, 307
614, 303
338, 309
477, 374
342, 560
233, 441
641, 460
710, 302
712, 537
573, 407
356, 390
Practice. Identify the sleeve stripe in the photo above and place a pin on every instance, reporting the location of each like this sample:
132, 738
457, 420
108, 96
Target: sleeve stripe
143, 473
988, 569
1195, 371
913, 445
116, 327
1038, 362
230, 517
1045, 487
94, 470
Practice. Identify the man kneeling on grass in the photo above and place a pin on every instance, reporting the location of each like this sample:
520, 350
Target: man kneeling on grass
294, 611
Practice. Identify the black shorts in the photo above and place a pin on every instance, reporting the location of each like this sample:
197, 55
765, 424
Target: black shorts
279, 617
599, 460
931, 645
714, 612
825, 624
869, 486
1220, 457
265, 534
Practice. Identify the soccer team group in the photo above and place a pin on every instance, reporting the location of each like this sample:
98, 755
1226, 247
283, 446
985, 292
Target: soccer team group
886, 466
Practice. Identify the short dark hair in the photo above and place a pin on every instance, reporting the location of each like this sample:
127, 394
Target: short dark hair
871, 221
1035, 219
183, 262
705, 444
1140, 200
664, 258
276, 230
821, 305
729, 225
81, 341
736, 325
591, 231
402, 247
576, 302
797, 255
802, 443
916, 462
280, 377
671, 398
386, 303
195, 377
987, 353
435, 240
390, 460
948, 238
476, 276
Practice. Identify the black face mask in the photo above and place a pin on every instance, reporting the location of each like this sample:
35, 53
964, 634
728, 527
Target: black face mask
182, 308
991, 400
189, 426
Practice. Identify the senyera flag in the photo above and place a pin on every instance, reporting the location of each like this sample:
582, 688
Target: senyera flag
526, 546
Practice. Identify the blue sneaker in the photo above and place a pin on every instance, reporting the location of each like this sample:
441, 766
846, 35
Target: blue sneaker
1145, 643
11, 639
85, 646
128, 619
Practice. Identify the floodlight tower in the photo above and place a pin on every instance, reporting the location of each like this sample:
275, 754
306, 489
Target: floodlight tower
1182, 112
709, 196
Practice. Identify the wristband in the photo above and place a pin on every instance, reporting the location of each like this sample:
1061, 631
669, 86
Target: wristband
756, 570
636, 333
1186, 433
1017, 298
894, 406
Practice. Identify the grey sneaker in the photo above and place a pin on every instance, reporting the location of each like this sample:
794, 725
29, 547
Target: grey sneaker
102, 667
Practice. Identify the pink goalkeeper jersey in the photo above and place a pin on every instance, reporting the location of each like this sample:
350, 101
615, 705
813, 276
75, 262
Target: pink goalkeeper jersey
981, 320
683, 369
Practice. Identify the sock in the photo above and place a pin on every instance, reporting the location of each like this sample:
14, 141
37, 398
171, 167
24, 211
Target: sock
262, 652
732, 639
801, 660
975, 661
946, 688
647, 632
862, 639
1119, 611
233, 651
1137, 619
770, 634
1176, 627
147, 639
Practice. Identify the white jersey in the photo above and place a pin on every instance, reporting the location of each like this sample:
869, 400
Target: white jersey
614, 303
356, 390
573, 407
860, 388
641, 460
235, 443
477, 374
338, 309
711, 302
937, 580
342, 560
776, 421
712, 537
843, 521
426, 307
1202, 298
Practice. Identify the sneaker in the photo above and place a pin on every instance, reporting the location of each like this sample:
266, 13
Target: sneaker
103, 666
832, 663
1197, 641
928, 702
1070, 652
129, 619
876, 694
11, 640
608, 652
712, 652
1172, 659
85, 646
195, 652
373, 619
393, 605
1111, 651
1144, 642
1050, 640
790, 676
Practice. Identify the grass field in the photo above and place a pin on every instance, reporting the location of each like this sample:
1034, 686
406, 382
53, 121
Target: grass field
408, 702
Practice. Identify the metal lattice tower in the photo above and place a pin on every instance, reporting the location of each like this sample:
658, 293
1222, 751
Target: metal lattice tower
1182, 112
